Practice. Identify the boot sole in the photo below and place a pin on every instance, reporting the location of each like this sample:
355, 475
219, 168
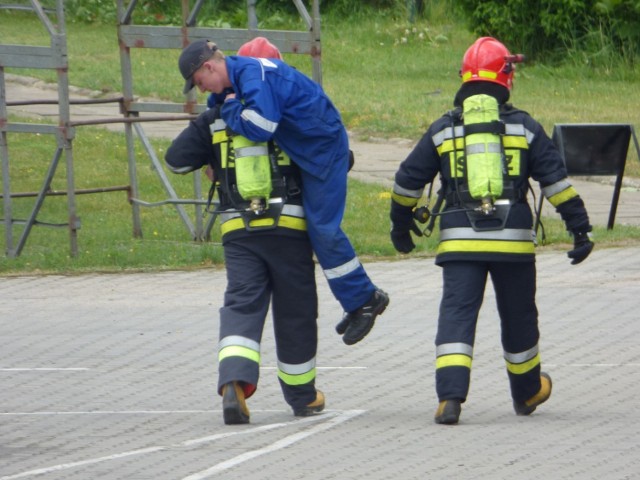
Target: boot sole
308, 411
449, 417
374, 315
232, 410
524, 410
233, 416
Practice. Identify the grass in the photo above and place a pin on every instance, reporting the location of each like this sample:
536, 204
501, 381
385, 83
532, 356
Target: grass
389, 78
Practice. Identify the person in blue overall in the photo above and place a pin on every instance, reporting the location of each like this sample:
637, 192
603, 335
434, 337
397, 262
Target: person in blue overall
270, 100
268, 261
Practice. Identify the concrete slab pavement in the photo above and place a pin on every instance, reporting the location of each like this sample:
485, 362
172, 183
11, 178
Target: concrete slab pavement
113, 377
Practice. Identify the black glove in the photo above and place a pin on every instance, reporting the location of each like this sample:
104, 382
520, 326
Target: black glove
402, 224
582, 246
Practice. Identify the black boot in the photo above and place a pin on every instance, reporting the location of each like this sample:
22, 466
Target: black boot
234, 407
529, 406
360, 321
448, 412
312, 408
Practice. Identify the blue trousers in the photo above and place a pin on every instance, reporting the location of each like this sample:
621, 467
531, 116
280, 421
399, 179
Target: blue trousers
463, 292
274, 270
324, 205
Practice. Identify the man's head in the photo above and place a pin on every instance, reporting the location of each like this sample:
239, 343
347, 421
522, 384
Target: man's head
197, 57
488, 60
260, 47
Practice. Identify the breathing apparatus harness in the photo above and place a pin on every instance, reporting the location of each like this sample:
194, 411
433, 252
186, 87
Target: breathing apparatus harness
484, 195
262, 191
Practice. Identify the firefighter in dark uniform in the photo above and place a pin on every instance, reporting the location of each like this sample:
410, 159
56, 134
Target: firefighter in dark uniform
270, 100
268, 259
489, 232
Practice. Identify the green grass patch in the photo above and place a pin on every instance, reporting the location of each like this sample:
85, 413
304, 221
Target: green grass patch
389, 77
105, 239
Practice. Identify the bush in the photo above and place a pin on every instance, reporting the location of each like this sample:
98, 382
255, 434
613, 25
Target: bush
163, 12
550, 29
621, 20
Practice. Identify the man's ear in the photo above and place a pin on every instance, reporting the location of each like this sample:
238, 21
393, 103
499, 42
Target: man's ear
208, 66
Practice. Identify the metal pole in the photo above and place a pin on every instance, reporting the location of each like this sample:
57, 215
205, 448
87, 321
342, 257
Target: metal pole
6, 184
127, 87
316, 53
59, 43
252, 18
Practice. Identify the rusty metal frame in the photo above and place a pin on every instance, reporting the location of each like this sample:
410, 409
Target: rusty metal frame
53, 57
129, 36
132, 36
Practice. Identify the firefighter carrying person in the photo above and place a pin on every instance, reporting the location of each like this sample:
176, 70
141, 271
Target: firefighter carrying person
271, 100
485, 151
268, 260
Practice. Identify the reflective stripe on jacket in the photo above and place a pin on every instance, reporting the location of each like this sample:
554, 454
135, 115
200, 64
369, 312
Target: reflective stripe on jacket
529, 152
205, 142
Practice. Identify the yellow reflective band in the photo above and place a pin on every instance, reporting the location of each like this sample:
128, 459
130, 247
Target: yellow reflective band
520, 368
404, 201
513, 162
486, 246
224, 148
220, 136
238, 351
297, 379
487, 74
480, 74
283, 158
515, 141
447, 146
294, 223
563, 196
456, 166
453, 361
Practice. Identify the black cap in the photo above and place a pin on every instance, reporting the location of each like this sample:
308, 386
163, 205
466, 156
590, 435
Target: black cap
192, 58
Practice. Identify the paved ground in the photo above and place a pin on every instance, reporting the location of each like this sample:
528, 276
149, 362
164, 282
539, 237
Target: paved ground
113, 377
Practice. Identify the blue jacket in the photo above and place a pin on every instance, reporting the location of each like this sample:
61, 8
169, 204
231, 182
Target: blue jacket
274, 100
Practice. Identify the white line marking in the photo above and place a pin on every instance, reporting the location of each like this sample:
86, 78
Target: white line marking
64, 466
283, 443
187, 443
44, 369
122, 412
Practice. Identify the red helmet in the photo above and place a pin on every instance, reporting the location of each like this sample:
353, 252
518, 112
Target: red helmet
489, 60
260, 47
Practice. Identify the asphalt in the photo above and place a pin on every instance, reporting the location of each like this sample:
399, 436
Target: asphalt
114, 376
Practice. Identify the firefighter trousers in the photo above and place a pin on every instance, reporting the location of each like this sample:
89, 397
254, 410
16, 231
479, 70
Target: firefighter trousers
463, 292
274, 270
324, 205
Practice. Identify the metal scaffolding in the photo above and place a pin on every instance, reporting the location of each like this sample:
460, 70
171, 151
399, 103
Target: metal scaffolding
130, 37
